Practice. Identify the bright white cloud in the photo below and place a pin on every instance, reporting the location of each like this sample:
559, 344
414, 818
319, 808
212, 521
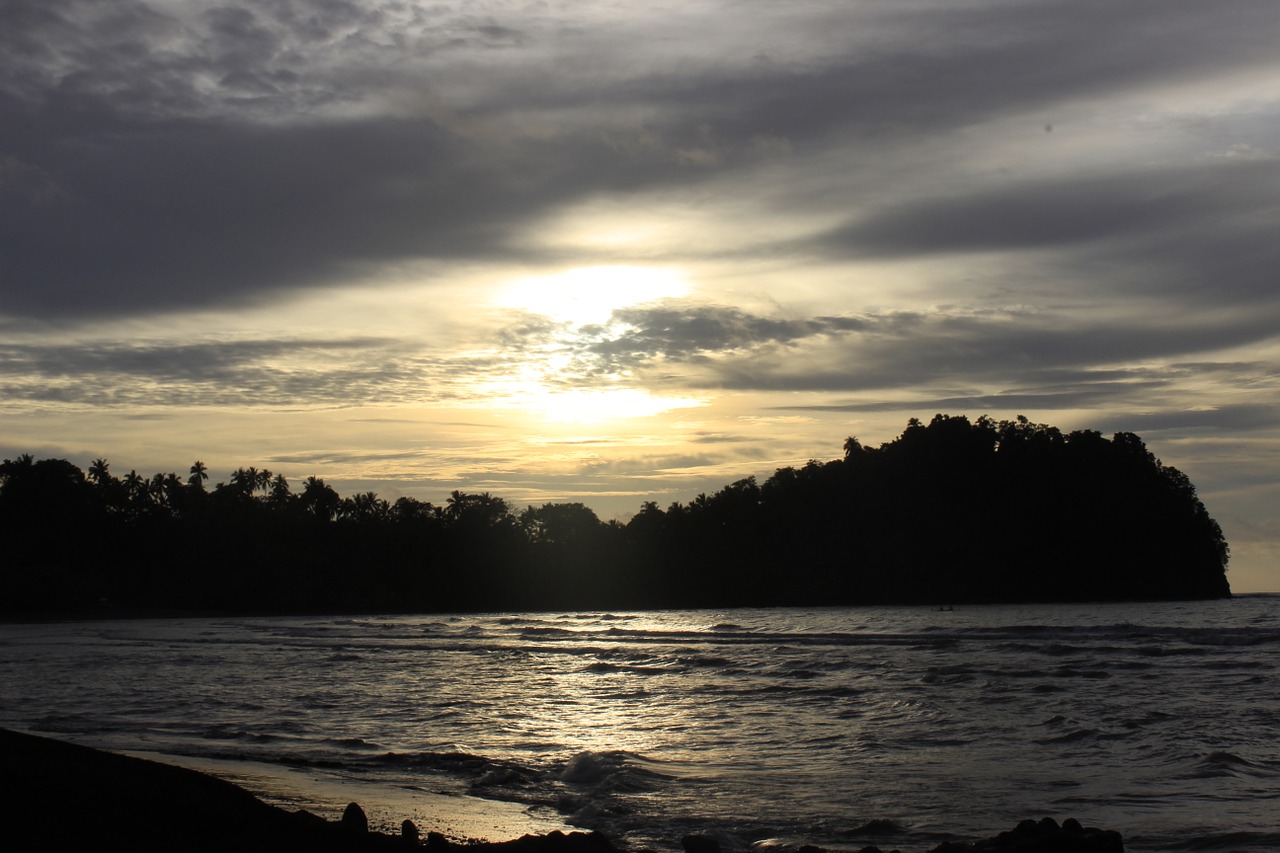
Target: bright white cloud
589, 295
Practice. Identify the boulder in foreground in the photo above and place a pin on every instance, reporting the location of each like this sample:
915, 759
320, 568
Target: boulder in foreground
1044, 836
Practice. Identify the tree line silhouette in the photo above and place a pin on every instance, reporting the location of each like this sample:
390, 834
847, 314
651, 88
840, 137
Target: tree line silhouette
949, 512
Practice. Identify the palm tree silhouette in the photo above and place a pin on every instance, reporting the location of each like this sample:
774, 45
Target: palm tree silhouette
135, 485
99, 471
319, 499
245, 481
279, 491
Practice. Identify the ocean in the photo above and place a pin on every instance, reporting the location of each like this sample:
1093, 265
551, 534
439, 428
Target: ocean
766, 728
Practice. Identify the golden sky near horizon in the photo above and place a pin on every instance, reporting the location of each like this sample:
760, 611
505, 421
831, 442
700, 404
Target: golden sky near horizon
588, 252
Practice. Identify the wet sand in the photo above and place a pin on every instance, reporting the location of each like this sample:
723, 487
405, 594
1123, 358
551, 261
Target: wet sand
68, 796
458, 817
64, 796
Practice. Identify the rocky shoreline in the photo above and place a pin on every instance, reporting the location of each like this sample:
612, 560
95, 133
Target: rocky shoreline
65, 796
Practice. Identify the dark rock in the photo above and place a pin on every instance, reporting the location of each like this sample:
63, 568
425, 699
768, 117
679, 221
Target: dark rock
700, 844
878, 826
1043, 836
436, 841
305, 817
553, 842
353, 818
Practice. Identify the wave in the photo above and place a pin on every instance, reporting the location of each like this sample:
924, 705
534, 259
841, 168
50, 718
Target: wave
72, 724
1121, 644
547, 631
876, 826
705, 661
618, 770
1075, 736
481, 773
227, 733
1054, 641
1229, 842
607, 668
1222, 764
765, 724
1068, 672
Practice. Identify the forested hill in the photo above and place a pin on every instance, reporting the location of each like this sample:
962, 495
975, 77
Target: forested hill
950, 512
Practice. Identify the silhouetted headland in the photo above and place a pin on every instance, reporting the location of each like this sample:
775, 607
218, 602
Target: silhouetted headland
64, 797
949, 512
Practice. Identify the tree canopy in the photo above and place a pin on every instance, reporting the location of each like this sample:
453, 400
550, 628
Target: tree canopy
949, 512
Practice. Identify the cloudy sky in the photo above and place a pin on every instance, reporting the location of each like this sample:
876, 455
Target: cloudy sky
611, 252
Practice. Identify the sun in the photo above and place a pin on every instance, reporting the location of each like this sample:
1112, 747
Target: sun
589, 295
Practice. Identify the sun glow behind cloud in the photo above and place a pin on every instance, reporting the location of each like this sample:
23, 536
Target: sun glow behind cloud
590, 405
536, 388
546, 383
589, 295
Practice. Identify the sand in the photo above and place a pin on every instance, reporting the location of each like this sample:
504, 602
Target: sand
457, 817
63, 796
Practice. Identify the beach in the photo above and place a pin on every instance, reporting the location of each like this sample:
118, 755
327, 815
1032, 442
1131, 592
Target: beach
72, 796
458, 818
900, 728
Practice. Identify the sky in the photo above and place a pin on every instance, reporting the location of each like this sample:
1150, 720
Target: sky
608, 252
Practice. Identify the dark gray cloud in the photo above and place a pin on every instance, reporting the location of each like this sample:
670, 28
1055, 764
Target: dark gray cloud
674, 332
244, 374
198, 213
1068, 211
1238, 419
128, 189
156, 158
198, 362
726, 347
890, 73
1085, 393
326, 458
1200, 236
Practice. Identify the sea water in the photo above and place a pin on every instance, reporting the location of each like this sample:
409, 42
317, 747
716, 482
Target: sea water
768, 728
